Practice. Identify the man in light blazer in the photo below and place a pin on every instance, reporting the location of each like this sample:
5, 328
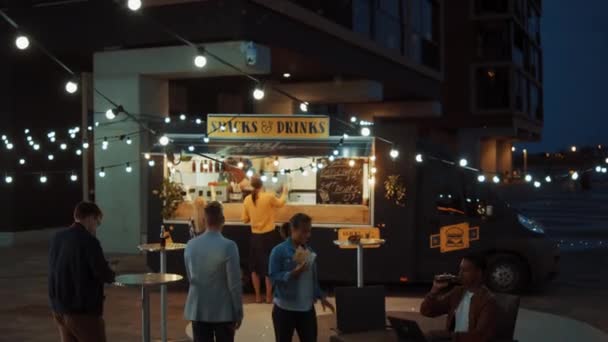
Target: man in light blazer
214, 303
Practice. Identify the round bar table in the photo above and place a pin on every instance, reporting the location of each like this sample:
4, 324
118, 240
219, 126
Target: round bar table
360, 245
155, 247
145, 281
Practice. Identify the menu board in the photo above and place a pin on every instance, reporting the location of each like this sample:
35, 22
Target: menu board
341, 182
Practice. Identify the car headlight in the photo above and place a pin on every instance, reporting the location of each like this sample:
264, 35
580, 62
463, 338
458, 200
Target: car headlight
530, 224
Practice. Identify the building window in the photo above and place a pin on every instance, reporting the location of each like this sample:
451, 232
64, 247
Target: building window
534, 23
362, 20
535, 104
492, 88
519, 45
388, 24
493, 41
533, 62
521, 93
491, 7
423, 31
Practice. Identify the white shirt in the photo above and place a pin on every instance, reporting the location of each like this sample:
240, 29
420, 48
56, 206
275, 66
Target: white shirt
462, 313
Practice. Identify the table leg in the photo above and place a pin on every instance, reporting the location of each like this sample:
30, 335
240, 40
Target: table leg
163, 298
145, 314
359, 266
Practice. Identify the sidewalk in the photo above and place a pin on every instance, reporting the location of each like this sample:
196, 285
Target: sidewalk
24, 313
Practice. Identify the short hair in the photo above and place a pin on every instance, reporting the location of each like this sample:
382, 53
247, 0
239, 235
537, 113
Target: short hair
214, 213
284, 230
479, 261
299, 219
87, 209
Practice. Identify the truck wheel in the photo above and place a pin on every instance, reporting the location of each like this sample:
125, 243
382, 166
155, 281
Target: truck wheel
506, 273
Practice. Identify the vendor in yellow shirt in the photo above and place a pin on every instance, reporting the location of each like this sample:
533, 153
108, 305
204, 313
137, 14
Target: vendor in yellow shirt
259, 209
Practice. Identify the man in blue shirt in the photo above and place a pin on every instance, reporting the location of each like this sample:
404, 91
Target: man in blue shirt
77, 272
214, 303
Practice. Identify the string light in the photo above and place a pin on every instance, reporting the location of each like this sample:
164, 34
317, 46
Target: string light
234, 130
73, 135
43, 179
102, 173
258, 92
240, 165
372, 180
573, 148
73, 177
21, 161
536, 184
304, 106
63, 146
198, 121
276, 161
463, 162
90, 128
222, 127
134, 5
129, 141
86, 145
419, 158
286, 75
151, 163
9, 146
496, 179
249, 173
206, 139
147, 155
374, 170
282, 171
353, 119
320, 166
275, 178
71, 87
481, 178
182, 117
336, 152
513, 149
191, 148
305, 173
128, 168
598, 169
606, 160
4, 137
394, 153
604, 170
574, 175
110, 114
31, 143
8, 179
345, 136
164, 140
200, 60
332, 158
29, 137
105, 143
548, 179
51, 157
36, 147
167, 120
351, 163
22, 42
52, 139
528, 178
372, 158
264, 178
78, 152
365, 132
26, 131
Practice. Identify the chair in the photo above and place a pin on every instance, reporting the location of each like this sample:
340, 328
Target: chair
506, 316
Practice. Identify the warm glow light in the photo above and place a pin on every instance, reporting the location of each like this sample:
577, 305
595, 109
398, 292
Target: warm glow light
151, 163
128, 168
51, 157
200, 61
8, 179
353, 119
102, 173
304, 106
21, 161
365, 132
573, 148
167, 120
264, 178
71, 87
351, 163
574, 175
182, 117
394, 153
110, 115
198, 121
190, 148
372, 158
36, 147
240, 165
258, 93
336, 152
73, 177
78, 152
513, 149
372, 180
9, 146
286, 75
206, 139
147, 155
63, 146
598, 169
374, 170
164, 140
604, 170
43, 179
129, 141
22, 42
275, 162
85, 145
134, 5
463, 162
249, 173
332, 158
275, 178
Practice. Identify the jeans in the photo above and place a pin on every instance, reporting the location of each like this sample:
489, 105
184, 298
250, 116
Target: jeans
213, 332
285, 322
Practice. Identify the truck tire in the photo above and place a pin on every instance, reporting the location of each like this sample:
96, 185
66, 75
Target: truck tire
506, 273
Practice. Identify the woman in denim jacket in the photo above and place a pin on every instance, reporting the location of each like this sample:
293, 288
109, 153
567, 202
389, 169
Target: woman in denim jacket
293, 271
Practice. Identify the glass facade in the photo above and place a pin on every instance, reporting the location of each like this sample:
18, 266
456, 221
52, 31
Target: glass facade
485, 7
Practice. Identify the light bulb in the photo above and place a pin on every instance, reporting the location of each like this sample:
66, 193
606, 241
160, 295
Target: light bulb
353, 119
27, 130
31, 143
573, 148
249, 173
90, 128
365, 132
22, 42
102, 173
463, 162
198, 121
282, 171
606, 160
604, 170
206, 139
71, 87
537, 184
275, 179
598, 169
264, 178
8, 179
78, 152
336, 152
513, 149
147, 155
394, 153
222, 127
52, 139
528, 178
36, 147
4, 137
134, 5
164, 140
332, 158
548, 179
372, 158
200, 61
129, 141
495, 179
481, 178
110, 115
372, 180
21, 161
345, 136
86, 145
104, 145
9, 146
374, 170
351, 163
128, 168
63, 146
182, 117
234, 130
167, 120
29, 137
575, 176
419, 158
275, 162
240, 165
151, 163
73, 135
320, 166
304, 106
43, 179
51, 157
190, 148
258, 93
73, 177
286, 75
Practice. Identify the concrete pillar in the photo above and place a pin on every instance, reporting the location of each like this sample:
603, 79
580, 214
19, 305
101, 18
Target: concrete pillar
504, 156
488, 155
124, 196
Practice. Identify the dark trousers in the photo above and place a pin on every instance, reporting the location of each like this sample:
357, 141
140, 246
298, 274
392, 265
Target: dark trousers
213, 332
80, 327
285, 322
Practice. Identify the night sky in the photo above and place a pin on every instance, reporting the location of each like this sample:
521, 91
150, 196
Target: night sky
575, 45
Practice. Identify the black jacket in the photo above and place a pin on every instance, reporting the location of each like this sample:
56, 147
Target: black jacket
77, 272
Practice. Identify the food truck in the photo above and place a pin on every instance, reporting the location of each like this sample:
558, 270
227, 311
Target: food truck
393, 186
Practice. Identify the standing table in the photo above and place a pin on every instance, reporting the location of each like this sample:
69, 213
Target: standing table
155, 247
145, 281
360, 245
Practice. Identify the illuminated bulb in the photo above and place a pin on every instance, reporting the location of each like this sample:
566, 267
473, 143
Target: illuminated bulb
372, 180
129, 141
110, 115
21, 161
147, 155
548, 179
222, 128
419, 158
314, 168
275, 178
258, 93
345, 136
36, 147
164, 140
29, 137
573, 148
537, 184
9, 146
96, 123
51, 157
151, 163
200, 61
73, 177
167, 120
102, 173
351, 163
606, 160
249, 173
336, 152
353, 119
198, 121
27, 130
496, 180
282, 171
575, 176
320, 166
374, 170
22, 42
190, 148
463, 162
598, 169
264, 178
128, 168
304, 106
52, 139
8, 179
240, 165
52, 134
78, 152
513, 149
275, 162
104, 145
332, 158
604, 170
481, 178
372, 158
394, 153
528, 178
206, 139
365, 132
4, 137
73, 135
43, 179
182, 117
71, 87
234, 130
90, 128
286, 75
63, 146
134, 5
86, 145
